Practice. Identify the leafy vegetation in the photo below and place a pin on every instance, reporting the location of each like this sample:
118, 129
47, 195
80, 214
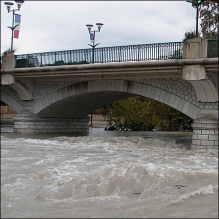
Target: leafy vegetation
61, 62
7, 51
177, 54
209, 20
30, 61
144, 114
33, 62
191, 34
7, 122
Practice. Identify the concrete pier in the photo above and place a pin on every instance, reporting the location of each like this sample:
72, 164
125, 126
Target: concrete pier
205, 133
33, 124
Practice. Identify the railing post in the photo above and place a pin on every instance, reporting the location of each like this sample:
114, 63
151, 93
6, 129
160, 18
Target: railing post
93, 54
195, 48
70, 57
158, 52
8, 60
41, 60
28, 60
101, 55
119, 54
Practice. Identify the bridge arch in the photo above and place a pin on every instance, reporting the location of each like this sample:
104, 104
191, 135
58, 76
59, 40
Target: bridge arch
85, 97
11, 101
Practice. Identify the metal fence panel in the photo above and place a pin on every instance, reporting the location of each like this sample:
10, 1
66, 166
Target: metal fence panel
141, 52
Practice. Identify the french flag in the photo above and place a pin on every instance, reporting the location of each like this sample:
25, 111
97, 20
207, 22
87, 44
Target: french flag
17, 21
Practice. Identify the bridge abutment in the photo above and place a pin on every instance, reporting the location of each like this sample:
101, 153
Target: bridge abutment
33, 124
205, 133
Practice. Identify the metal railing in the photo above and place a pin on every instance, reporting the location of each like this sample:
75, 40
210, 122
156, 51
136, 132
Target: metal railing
142, 52
129, 53
212, 50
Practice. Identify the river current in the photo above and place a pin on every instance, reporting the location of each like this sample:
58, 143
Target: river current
104, 174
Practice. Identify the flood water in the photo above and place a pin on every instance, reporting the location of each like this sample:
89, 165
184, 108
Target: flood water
104, 174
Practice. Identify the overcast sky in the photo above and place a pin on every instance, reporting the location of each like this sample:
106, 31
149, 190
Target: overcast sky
61, 25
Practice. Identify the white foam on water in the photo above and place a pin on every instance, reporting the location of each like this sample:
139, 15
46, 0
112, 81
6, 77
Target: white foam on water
206, 190
120, 174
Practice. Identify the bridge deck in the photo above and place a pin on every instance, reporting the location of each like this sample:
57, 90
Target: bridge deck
144, 69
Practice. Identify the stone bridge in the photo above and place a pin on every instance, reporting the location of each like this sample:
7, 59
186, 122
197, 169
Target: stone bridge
59, 99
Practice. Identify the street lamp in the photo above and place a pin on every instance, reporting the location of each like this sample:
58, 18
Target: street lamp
196, 3
9, 5
92, 37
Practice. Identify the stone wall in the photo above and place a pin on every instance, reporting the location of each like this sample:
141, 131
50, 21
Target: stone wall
35, 124
205, 133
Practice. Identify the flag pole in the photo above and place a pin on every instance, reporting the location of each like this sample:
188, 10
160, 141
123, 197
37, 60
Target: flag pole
12, 30
9, 5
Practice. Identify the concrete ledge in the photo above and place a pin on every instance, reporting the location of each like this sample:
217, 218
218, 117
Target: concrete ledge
7, 79
114, 70
194, 72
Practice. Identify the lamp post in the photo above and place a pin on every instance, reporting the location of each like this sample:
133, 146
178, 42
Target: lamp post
92, 37
196, 3
9, 5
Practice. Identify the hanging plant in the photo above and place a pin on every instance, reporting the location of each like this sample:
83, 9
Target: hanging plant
191, 34
8, 51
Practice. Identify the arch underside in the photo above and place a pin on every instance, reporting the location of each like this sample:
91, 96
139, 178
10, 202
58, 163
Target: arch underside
83, 98
11, 101
83, 104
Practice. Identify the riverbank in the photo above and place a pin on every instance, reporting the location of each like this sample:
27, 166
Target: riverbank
98, 121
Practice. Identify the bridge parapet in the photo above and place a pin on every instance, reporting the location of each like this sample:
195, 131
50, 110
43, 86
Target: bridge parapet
195, 48
205, 85
8, 60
